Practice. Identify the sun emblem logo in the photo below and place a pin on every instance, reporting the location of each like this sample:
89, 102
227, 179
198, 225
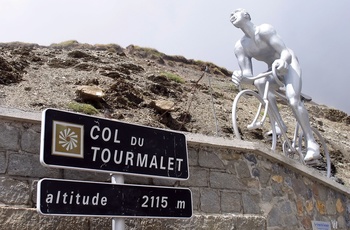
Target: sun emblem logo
68, 139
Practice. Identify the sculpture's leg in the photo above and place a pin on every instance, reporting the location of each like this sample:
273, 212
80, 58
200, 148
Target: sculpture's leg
293, 90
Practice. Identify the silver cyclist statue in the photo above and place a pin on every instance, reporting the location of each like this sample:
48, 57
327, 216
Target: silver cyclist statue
262, 43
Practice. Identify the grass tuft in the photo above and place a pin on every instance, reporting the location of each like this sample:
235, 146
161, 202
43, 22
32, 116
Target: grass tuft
82, 108
173, 77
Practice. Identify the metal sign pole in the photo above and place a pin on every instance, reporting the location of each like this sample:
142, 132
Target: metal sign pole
212, 102
117, 223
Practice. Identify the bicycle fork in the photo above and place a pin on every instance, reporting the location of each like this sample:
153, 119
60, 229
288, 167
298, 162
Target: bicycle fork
257, 124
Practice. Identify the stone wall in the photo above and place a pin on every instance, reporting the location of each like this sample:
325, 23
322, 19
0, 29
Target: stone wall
235, 185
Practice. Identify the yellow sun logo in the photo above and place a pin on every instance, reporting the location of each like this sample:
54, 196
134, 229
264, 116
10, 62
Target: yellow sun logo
68, 139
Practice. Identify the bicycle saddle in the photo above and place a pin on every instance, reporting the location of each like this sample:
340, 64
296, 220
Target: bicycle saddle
305, 97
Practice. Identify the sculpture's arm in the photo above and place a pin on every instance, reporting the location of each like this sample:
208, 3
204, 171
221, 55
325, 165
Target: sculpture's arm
245, 64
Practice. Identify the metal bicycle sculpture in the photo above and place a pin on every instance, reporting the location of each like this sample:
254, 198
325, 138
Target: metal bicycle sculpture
263, 43
294, 147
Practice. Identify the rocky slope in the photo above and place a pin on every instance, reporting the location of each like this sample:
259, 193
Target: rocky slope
145, 86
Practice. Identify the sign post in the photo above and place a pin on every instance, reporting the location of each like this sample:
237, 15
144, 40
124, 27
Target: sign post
118, 223
75, 141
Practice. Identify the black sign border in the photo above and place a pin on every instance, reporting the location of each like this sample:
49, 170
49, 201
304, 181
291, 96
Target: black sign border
39, 189
42, 153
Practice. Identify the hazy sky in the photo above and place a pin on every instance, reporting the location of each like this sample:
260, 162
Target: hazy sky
317, 30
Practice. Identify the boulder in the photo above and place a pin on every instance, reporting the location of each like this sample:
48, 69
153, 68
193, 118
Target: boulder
90, 93
163, 105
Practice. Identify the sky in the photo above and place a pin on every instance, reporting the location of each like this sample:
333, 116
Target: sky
317, 31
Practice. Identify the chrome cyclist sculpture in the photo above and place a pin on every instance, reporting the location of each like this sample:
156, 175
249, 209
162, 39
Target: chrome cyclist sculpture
264, 44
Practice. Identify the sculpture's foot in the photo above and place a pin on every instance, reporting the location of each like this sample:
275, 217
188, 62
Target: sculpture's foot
268, 135
254, 125
313, 152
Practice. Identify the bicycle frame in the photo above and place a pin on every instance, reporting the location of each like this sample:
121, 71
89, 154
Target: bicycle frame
289, 146
273, 120
267, 111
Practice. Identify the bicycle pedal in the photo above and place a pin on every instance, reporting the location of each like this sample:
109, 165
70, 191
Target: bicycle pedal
268, 136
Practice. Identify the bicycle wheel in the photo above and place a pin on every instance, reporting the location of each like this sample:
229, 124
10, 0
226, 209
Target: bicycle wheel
324, 163
249, 117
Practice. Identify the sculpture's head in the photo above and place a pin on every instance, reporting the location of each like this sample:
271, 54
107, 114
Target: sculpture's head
238, 16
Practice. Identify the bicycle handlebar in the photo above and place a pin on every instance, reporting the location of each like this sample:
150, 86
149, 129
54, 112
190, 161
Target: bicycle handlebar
273, 72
